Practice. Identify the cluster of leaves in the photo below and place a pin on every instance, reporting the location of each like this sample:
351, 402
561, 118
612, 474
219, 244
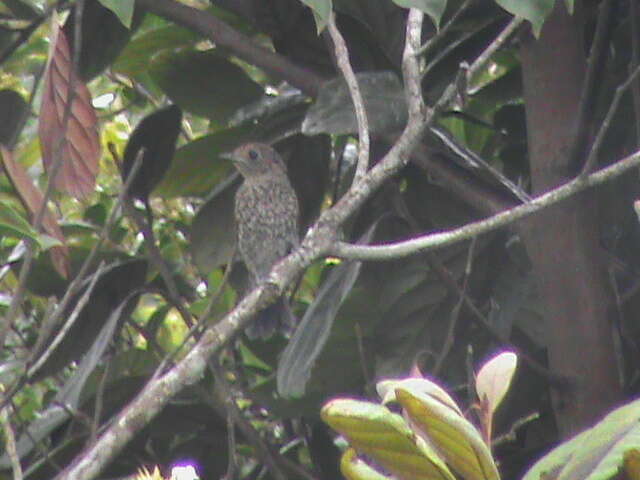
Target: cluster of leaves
432, 437
155, 83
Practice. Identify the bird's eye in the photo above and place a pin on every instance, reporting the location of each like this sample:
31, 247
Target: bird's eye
253, 155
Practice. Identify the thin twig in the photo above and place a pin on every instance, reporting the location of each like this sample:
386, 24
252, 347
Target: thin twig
433, 41
510, 436
606, 123
227, 396
26, 32
635, 62
242, 46
75, 285
10, 444
455, 313
231, 448
342, 57
52, 344
99, 404
202, 323
361, 354
146, 228
591, 84
470, 230
56, 165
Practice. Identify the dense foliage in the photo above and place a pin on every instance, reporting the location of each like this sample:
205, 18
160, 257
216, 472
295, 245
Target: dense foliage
101, 291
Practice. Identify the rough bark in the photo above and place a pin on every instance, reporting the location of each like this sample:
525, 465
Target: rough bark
563, 242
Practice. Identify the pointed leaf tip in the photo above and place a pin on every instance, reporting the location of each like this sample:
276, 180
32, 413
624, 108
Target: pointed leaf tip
75, 138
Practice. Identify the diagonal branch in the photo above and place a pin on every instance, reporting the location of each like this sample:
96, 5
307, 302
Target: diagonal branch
224, 36
471, 230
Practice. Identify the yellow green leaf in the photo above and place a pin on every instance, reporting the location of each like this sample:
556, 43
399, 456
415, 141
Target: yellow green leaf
455, 438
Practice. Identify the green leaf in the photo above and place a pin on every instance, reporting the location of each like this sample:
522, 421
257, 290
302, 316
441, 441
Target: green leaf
494, 378
333, 113
122, 8
455, 437
204, 83
383, 435
134, 59
103, 36
307, 343
433, 8
197, 167
321, 11
354, 468
595, 454
213, 231
15, 225
535, 11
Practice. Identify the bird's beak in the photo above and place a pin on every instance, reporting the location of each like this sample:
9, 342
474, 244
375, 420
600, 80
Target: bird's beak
228, 156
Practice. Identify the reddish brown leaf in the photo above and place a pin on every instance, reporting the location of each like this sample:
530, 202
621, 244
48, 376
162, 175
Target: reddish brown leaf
32, 199
80, 147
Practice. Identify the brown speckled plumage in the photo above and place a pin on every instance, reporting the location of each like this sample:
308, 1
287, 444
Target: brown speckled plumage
266, 211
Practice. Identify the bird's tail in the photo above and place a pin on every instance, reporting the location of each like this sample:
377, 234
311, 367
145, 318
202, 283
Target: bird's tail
277, 316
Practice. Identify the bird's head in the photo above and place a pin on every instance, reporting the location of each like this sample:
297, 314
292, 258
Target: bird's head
255, 159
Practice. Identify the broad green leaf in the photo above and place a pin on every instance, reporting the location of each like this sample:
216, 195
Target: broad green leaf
597, 453
455, 437
383, 435
213, 231
333, 113
535, 11
306, 344
354, 468
321, 11
154, 138
122, 8
103, 35
433, 8
204, 83
494, 378
197, 167
135, 58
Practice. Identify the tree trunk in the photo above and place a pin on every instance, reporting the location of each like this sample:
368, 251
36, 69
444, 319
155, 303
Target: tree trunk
563, 242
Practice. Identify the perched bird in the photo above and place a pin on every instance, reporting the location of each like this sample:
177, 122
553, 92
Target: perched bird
266, 212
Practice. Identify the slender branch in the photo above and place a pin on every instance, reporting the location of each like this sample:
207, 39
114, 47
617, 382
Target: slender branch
342, 56
145, 226
227, 397
26, 32
53, 343
225, 36
606, 123
441, 239
10, 444
635, 61
455, 312
591, 84
433, 41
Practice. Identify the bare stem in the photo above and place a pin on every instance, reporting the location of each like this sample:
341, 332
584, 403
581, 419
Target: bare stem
342, 56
